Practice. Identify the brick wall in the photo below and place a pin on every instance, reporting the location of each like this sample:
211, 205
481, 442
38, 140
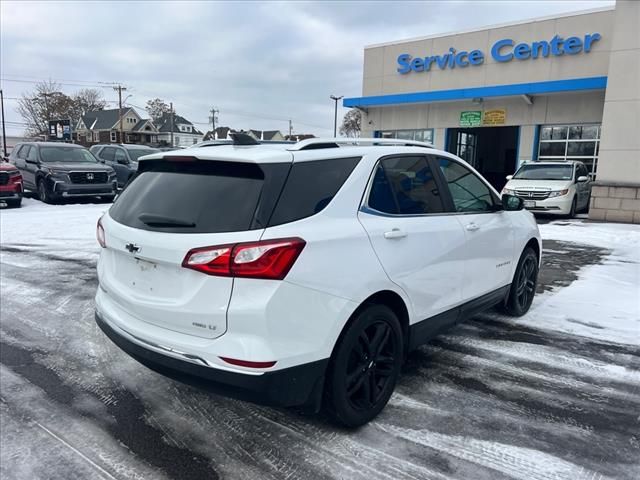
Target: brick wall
615, 203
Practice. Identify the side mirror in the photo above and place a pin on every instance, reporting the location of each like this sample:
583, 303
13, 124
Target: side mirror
123, 161
509, 177
512, 203
582, 178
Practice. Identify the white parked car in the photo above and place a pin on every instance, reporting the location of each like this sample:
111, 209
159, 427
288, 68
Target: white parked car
306, 272
561, 188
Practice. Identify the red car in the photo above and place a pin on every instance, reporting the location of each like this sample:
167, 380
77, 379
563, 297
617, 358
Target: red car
10, 185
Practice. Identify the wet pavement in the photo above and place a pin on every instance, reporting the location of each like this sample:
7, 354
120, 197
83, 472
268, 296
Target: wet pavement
490, 399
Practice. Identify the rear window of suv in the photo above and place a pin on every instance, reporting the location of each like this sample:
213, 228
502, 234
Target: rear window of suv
196, 196
215, 196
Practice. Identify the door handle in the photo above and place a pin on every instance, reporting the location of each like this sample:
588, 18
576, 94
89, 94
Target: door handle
472, 227
395, 233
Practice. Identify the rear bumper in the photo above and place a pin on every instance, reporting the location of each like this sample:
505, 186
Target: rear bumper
10, 195
298, 385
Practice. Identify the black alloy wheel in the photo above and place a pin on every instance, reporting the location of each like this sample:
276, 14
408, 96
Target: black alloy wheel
43, 192
523, 287
365, 366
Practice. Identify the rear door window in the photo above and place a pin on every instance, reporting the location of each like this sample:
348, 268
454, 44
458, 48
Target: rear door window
23, 152
107, 153
405, 186
120, 156
200, 196
310, 188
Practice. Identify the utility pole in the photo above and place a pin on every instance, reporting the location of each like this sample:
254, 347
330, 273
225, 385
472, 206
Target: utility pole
213, 119
335, 117
290, 129
171, 121
4, 133
120, 88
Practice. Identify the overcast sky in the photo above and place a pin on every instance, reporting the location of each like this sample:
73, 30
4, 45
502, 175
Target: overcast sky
259, 63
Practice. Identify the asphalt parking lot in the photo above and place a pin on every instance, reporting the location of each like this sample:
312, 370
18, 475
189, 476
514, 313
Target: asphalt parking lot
492, 398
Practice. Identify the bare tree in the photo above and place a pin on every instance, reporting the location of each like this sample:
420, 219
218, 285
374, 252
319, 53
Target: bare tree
86, 100
351, 123
45, 103
156, 108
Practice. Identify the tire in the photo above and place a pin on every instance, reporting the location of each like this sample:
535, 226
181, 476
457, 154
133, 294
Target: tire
43, 192
364, 367
14, 203
108, 198
523, 286
572, 211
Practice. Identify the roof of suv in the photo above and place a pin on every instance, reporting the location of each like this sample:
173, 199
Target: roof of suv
311, 149
52, 144
552, 162
128, 146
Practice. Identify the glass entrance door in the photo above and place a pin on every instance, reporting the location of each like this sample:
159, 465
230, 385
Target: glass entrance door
466, 147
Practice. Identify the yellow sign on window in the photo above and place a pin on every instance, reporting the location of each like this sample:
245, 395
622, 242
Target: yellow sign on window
494, 117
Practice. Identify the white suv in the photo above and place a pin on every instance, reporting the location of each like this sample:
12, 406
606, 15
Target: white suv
306, 272
561, 187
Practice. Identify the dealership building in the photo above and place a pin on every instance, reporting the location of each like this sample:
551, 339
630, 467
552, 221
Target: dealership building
553, 88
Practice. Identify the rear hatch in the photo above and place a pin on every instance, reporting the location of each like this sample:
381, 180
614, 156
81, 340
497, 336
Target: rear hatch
168, 209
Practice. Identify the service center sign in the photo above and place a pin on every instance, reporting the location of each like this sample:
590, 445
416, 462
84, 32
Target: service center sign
502, 51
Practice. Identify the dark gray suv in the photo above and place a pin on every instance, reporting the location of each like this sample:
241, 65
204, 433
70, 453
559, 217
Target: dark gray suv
122, 158
63, 170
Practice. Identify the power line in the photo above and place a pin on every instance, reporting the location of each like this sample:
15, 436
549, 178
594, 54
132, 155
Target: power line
39, 79
35, 82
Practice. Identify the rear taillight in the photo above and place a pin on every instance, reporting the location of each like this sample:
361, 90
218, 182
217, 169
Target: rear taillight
269, 259
100, 234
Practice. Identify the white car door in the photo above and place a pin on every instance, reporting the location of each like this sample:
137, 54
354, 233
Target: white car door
488, 255
418, 244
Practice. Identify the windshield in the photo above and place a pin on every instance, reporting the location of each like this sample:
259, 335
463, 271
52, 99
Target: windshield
137, 153
544, 172
66, 154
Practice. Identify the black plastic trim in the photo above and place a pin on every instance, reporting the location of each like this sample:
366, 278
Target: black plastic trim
287, 387
424, 330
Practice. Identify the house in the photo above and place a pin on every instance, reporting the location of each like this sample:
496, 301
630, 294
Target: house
273, 135
223, 133
185, 133
103, 126
220, 133
298, 137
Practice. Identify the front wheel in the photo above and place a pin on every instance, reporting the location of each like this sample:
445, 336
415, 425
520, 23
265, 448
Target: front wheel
43, 192
523, 286
365, 367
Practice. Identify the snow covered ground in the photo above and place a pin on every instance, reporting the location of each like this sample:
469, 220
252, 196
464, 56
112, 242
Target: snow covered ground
554, 395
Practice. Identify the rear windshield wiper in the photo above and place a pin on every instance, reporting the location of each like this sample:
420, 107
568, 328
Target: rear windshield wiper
161, 221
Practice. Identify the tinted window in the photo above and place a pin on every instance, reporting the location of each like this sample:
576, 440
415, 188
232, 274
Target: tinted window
139, 152
33, 154
199, 197
24, 150
405, 186
310, 187
468, 192
108, 153
121, 155
66, 154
